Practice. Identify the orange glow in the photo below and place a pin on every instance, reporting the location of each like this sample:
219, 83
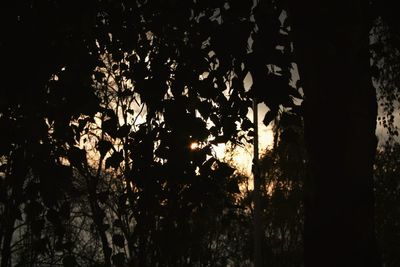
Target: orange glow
194, 146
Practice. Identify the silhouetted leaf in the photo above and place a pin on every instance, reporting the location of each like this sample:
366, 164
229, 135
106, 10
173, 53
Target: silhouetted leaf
123, 131
110, 126
77, 156
246, 124
104, 146
114, 160
269, 117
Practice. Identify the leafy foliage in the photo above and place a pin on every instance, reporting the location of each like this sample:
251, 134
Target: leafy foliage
387, 199
98, 114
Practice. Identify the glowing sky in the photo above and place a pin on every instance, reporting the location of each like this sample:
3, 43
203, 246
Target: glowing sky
242, 156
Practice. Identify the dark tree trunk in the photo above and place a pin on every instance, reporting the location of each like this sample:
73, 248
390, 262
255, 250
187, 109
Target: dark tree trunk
331, 44
6, 244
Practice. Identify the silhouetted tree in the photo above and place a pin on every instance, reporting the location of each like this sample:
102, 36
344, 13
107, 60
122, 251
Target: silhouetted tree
45, 84
100, 104
284, 170
331, 42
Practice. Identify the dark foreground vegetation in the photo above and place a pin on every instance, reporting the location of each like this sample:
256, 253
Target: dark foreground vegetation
101, 102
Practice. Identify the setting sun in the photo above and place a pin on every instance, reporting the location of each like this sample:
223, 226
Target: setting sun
194, 146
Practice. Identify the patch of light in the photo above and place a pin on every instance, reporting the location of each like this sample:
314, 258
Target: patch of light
194, 146
203, 76
219, 150
248, 81
241, 157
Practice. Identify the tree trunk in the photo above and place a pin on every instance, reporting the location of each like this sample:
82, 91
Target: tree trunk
331, 43
6, 245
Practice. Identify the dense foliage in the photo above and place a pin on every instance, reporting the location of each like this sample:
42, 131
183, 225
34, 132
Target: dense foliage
100, 106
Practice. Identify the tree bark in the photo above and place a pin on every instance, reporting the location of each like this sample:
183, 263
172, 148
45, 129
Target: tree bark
331, 41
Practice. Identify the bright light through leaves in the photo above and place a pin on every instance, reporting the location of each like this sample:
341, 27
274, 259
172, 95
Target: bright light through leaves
194, 146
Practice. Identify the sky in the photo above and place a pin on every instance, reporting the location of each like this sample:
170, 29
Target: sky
381, 132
